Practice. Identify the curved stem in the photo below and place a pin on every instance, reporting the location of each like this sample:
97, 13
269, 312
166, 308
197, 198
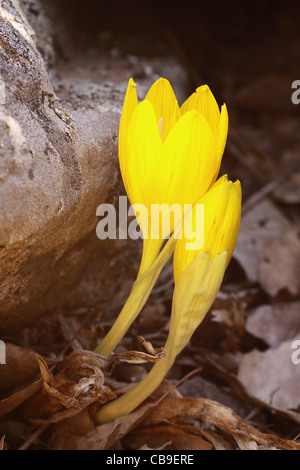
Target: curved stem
141, 289
151, 248
130, 400
137, 298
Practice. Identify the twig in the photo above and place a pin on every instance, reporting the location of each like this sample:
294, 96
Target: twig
34, 436
90, 313
187, 376
269, 187
257, 161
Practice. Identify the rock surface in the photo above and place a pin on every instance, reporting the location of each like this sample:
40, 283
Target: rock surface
58, 162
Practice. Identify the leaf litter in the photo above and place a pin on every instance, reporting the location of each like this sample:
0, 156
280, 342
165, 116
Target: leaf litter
235, 385
245, 395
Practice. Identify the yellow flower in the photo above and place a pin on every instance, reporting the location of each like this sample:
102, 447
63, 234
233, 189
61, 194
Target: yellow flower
198, 273
169, 155
222, 216
199, 277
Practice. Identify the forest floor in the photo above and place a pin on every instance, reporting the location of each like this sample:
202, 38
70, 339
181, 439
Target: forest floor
237, 384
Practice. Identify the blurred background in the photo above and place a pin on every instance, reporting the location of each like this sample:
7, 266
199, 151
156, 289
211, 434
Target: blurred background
247, 52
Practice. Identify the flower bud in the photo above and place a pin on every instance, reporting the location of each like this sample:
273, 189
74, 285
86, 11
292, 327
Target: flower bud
220, 227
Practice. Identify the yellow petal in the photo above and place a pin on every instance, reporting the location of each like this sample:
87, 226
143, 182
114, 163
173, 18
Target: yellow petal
142, 146
222, 137
129, 105
165, 105
194, 293
203, 101
222, 215
184, 168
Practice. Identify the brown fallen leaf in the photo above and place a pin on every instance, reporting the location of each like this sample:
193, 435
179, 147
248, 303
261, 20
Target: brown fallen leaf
80, 433
218, 441
16, 399
266, 322
213, 413
20, 367
138, 357
79, 383
262, 224
65, 436
198, 386
211, 364
229, 314
272, 377
279, 268
180, 437
66, 432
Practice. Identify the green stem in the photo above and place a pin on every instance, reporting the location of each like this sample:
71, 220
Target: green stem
151, 248
139, 294
132, 307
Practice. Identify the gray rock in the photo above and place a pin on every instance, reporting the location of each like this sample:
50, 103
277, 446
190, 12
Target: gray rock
58, 162
55, 169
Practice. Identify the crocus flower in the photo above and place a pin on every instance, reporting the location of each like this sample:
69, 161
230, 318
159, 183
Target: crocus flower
198, 273
197, 281
222, 213
168, 156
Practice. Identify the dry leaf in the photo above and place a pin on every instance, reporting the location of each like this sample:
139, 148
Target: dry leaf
197, 386
180, 437
272, 377
274, 323
79, 383
67, 431
16, 399
263, 223
212, 364
218, 415
229, 313
100, 438
76, 437
279, 268
217, 440
20, 366
137, 357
